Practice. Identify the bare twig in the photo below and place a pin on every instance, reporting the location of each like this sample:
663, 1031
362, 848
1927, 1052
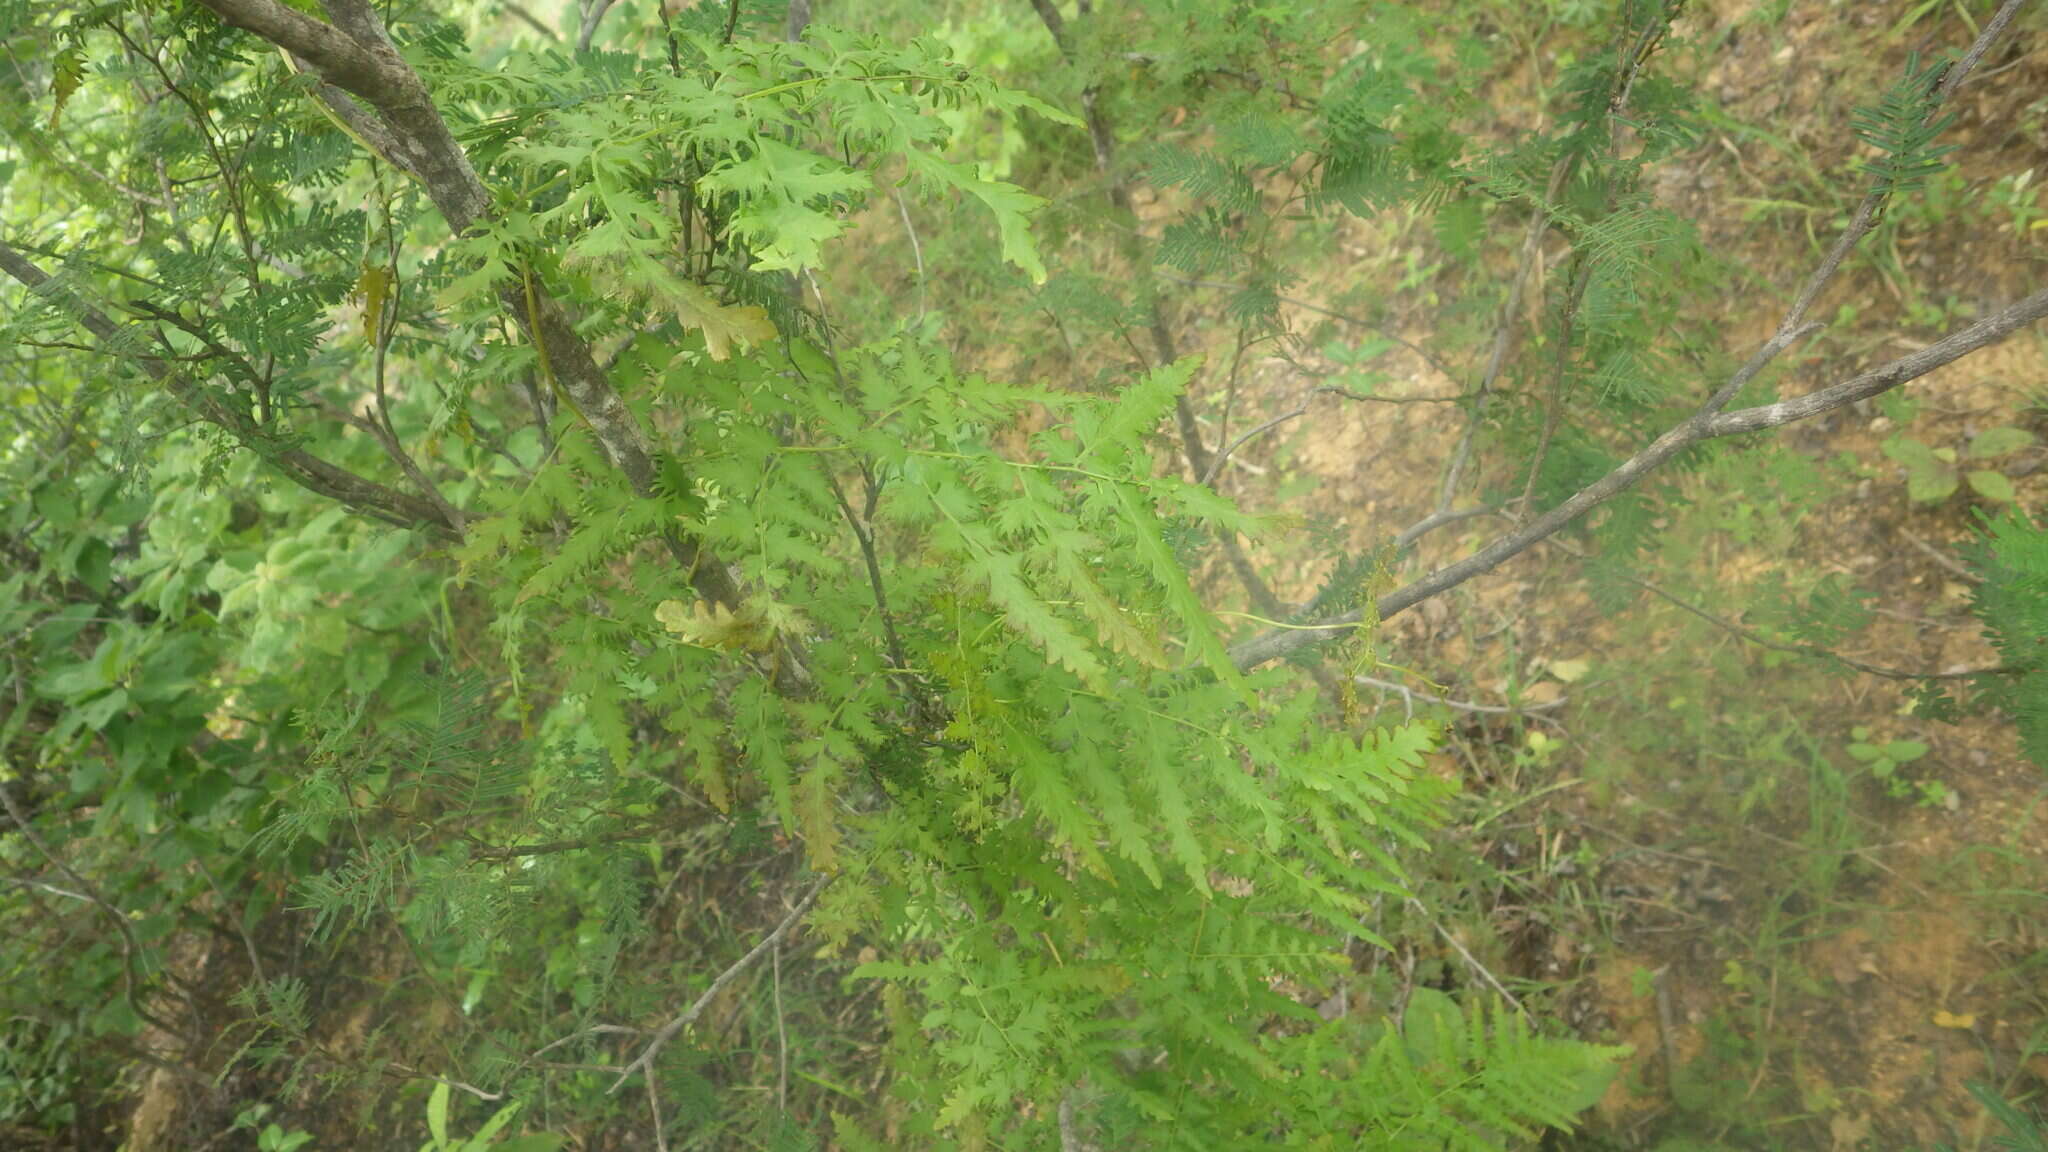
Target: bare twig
654, 1109
1708, 421
1216, 463
916, 249
1368, 398
1942, 558
1510, 310
644, 1062
1703, 425
593, 15
529, 19
781, 1034
1470, 960
1435, 520
1425, 355
1532, 245
414, 1073
1667, 1028
45, 886
1460, 705
1559, 384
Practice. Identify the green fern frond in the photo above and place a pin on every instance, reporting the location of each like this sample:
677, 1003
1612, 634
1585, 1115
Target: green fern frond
1200, 244
1903, 126
1213, 181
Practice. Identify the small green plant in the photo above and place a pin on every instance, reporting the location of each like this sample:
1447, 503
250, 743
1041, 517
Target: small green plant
270, 1137
440, 1140
2020, 197
1934, 474
1885, 759
2023, 1133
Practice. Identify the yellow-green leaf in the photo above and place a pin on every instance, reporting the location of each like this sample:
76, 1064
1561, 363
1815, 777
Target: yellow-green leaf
373, 289
67, 72
814, 801
723, 325
1993, 486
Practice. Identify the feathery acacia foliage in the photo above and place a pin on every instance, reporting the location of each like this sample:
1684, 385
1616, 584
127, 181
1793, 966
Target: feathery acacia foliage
443, 518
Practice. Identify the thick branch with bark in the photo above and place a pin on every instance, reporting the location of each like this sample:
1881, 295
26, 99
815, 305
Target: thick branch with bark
355, 54
303, 468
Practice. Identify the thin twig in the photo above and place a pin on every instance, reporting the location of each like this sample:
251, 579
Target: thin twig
781, 1034
593, 14
916, 249
1942, 558
44, 886
1443, 369
1216, 462
1070, 1130
1708, 422
654, 1108
1810, 650
1230, 388
644, 1063
459, 1086
1532, 245
1368, 398
863, 534
1559, 383
385, 327
530, 19
1471, 960
131, 948
1435, 520
1667, 1028
1511, 308
1461, 705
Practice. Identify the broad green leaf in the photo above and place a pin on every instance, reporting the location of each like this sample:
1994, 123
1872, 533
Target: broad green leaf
1931, 486
437, 1115
491, 1127
1993, 486
1999, 441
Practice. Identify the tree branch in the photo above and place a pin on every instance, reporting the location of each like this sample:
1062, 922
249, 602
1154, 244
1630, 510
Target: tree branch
308, 471
339, 58
593, 15
1707, 422
356, 54
645, 1061
1703, 425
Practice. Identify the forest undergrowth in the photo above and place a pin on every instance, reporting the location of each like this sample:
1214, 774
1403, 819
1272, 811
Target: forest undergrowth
720, 576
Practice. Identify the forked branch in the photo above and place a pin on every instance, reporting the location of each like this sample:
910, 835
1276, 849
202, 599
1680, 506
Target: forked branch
1708, 421
1704, 425
355, 55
